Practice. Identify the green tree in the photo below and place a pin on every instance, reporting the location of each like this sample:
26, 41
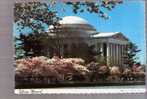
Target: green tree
130, 54
33, 45
19, 53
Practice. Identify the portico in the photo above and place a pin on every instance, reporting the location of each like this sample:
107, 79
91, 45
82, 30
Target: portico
112, 46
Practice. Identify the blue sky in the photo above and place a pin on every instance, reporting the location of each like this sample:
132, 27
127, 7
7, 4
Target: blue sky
127, 18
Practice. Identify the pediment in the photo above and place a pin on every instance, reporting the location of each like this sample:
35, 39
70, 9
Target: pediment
120, 36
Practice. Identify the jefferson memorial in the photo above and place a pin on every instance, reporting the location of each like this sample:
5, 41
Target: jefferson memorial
76, 30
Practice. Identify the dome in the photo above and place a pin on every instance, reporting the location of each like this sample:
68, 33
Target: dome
75, 26
73, 20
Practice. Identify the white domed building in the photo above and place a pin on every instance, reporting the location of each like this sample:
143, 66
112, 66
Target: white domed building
75, 32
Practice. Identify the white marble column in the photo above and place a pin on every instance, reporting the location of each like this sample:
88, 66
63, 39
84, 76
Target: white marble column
108, 53
122, 54
101, 49
112, 49
111, 53
112, 59
114, 53
119, 54
108, 49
